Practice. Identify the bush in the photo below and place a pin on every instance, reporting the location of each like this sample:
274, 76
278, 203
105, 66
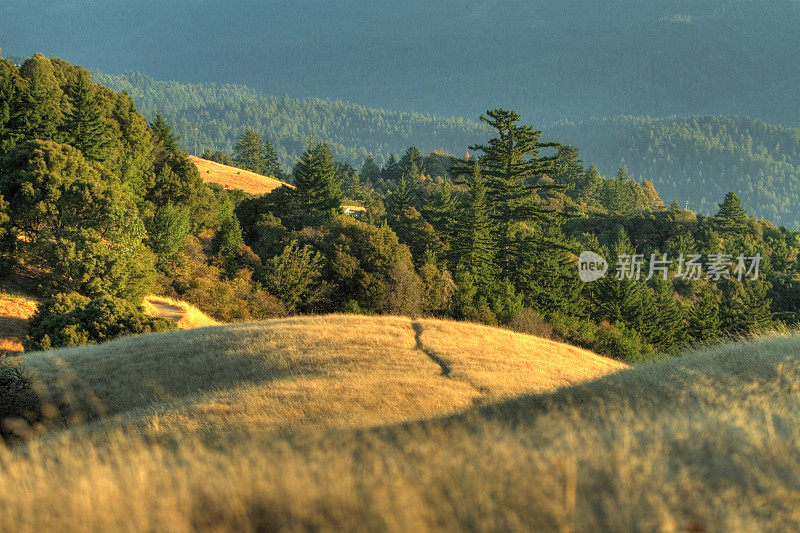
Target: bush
622, 343
18, 400
530, 322
73, 320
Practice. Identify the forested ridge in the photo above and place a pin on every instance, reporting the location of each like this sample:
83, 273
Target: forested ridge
99, 207
692, 159
213, 117
698, 159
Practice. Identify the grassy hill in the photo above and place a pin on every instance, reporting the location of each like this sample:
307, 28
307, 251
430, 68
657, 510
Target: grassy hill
390, 423
235, 178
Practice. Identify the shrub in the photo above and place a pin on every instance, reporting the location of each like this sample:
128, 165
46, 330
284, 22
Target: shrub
18, 401
530, 322
73, 320
622, 343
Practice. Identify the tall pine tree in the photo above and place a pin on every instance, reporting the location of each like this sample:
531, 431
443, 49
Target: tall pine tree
319, 191
249, 152
512, 163
83, 125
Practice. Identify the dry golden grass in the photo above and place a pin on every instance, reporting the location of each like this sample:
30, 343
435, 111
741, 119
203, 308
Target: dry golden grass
235, 178
184, 314
706, 442
244, 180
333, 371
15, 310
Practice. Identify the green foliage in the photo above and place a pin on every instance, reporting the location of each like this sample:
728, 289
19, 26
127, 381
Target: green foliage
38, 106
163, 134
249, 153
294, 277
698, 159
76, 223
83, 125
352, 131
510, 162
167, 231
318, 189
367, 265
73, 320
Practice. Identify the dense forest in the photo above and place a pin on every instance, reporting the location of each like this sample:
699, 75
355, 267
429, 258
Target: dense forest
208, 116
691, 159
571, 59
98, 208
698, 159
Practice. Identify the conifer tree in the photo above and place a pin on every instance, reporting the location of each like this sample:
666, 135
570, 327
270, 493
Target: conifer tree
731, 208
665, 328
83, 126
442, 213
272, 167
391, 172
370, 173
703, 320
474, 247
411, 162
9, 87
163, 134
318, 189
38, 112
249, 152
399, 199
731, 216
511, 163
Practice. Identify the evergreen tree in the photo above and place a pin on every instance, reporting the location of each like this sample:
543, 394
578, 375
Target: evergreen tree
10, 83
163, 134
38, 112
391, 172
704, 319
83, 126
319, 191
399, 199
474, 247
250, 151
370, 173
272, 167
665, 328
511, 162
731, 208
731, 216
442, 213
411, 162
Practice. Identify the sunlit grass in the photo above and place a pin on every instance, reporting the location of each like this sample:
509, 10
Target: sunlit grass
351, 423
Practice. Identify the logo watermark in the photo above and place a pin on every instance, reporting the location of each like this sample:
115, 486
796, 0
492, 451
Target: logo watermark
592, 266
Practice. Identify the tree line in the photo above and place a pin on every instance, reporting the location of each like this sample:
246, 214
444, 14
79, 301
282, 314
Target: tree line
101, 207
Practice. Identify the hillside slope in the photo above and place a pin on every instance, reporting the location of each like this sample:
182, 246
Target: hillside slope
704, 442
334, 371
235, 178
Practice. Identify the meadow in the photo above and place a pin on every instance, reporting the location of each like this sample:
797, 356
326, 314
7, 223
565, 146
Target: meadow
345, 422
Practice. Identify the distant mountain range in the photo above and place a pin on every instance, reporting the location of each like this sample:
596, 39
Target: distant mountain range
571, 59
692, 159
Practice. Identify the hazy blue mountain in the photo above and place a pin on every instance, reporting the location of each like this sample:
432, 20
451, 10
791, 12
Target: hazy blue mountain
212, 116
692, 159
699, 159
550, 60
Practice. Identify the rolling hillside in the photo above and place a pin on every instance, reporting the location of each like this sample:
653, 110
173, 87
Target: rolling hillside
359, 371
235, 178
352, 422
